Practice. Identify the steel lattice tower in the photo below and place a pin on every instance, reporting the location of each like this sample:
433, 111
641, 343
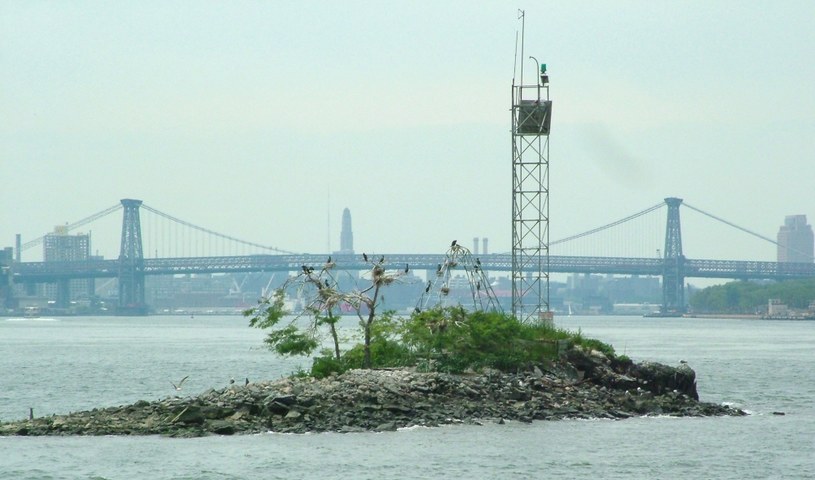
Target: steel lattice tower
673, 270
131, 262
531, 118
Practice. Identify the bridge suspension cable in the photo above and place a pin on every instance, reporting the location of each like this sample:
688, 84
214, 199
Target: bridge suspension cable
73, 226
750, 232
211, 232
612, 224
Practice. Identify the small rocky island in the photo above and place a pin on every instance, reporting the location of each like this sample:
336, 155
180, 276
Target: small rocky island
583, 384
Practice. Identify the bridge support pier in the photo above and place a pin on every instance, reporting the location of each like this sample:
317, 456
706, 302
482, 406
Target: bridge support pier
131, 262
673, 269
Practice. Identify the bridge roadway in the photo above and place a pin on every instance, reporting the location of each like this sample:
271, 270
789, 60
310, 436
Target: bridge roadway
48, 272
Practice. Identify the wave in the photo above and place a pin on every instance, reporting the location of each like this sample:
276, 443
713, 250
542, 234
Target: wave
22, 319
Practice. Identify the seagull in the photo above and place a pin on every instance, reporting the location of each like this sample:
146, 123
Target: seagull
178, 387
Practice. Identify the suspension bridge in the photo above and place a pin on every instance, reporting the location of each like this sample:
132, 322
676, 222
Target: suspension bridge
131, 266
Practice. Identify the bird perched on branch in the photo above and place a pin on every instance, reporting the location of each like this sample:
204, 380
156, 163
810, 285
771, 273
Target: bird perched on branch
364, 256
407, 268
427, 289
453, 244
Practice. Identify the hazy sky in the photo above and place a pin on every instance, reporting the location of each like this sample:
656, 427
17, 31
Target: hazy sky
264, 119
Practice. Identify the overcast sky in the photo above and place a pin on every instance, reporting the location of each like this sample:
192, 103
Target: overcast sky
263, 120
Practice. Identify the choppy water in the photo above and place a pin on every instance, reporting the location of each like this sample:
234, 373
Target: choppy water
79, 363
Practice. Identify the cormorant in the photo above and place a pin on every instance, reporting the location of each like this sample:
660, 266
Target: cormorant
428, 287
364, 256
329, 259
454, 243
407, 267
305, 269
382, 259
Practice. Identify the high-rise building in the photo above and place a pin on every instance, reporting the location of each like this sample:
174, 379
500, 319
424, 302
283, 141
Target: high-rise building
346, 234
60, 246
795, 240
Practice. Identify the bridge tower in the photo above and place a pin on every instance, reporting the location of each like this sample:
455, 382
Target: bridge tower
673, 267
131, 262
531, 117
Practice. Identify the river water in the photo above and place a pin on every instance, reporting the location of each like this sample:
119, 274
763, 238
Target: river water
73, 363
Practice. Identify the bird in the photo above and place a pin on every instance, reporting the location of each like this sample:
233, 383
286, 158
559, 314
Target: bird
247, 381
416, 310
305, 268
329, 259
454, 243
326, 283
478, 286
382, 259
478, 261
178, 387
427, 289
407, 268
232, 380
364, 256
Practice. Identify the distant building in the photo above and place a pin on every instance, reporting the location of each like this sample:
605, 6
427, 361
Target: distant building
795, 240
346, 234
60, 246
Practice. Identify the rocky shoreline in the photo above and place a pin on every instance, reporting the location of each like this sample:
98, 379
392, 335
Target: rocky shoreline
584, 384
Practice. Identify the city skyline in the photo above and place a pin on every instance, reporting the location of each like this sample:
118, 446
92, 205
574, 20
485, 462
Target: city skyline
262, 120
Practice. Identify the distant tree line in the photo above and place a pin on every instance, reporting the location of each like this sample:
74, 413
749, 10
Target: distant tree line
752, 297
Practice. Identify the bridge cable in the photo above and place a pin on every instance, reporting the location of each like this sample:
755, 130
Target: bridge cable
211, 232
72, 226
612, 224
745, 230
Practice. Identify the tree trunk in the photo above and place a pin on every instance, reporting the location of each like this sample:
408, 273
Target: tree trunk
366, 362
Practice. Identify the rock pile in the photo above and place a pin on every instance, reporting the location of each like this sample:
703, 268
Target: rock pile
586, 384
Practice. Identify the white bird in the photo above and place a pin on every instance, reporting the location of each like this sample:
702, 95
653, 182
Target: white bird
178, 387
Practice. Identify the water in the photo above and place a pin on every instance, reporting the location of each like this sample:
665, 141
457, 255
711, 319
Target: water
79, 363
